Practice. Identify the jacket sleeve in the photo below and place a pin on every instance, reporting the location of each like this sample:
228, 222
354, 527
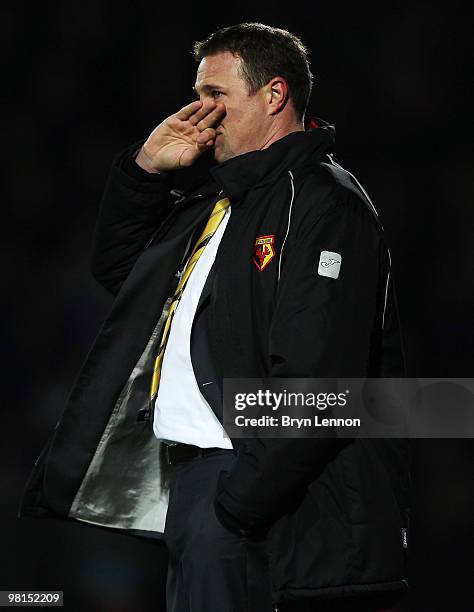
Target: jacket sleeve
321, 328
133, 205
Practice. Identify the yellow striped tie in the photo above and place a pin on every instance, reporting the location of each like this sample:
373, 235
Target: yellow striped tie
213, 223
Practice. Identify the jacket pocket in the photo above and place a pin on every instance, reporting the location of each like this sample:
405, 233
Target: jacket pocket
346, 532
309, 548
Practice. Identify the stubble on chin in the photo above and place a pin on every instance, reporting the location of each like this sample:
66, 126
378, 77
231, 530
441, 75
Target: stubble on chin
221, 154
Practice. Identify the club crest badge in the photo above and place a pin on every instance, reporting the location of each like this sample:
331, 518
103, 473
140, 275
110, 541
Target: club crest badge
263, 251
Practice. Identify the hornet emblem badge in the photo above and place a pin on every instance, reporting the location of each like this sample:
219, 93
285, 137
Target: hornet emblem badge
263, 251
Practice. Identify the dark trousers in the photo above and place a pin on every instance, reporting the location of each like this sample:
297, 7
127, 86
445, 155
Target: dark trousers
210, 569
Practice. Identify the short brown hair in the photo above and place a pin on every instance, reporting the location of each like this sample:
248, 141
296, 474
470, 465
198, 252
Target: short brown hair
265, 52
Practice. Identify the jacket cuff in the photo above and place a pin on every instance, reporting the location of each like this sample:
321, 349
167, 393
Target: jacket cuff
229, 521
228, 514
131, 176
132, 169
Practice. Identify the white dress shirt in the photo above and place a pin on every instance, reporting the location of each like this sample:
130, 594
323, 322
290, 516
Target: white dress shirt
181, 412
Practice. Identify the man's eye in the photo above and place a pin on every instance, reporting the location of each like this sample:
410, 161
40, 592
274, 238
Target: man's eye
215, 93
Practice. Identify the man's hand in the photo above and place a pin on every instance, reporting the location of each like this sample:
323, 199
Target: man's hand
181, 138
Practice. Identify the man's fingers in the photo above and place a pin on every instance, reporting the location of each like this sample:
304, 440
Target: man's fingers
188, 110
202, 112
205, 136
206, 145
212, 118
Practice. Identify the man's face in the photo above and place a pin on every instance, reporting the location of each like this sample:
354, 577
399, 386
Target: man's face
243, 127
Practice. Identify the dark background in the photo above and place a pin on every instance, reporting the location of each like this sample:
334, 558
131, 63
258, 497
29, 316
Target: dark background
85, 79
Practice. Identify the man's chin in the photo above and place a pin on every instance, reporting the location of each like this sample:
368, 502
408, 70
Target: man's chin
221, 155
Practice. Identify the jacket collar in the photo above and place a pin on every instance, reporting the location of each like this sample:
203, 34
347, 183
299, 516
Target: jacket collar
238, 175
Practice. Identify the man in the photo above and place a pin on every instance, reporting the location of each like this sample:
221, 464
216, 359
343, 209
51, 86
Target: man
224, 280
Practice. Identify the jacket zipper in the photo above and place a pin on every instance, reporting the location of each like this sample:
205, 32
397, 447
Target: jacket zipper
147, 413
163, 318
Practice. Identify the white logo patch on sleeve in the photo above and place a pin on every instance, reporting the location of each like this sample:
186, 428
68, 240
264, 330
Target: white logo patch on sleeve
329, 264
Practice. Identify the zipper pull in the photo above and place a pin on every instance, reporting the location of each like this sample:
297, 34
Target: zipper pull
143, 414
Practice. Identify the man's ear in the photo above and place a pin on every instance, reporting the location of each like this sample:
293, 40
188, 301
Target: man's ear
277, 94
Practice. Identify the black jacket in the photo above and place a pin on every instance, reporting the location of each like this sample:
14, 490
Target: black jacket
334, 511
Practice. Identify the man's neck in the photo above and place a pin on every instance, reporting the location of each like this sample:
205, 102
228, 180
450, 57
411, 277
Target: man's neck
281, 131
